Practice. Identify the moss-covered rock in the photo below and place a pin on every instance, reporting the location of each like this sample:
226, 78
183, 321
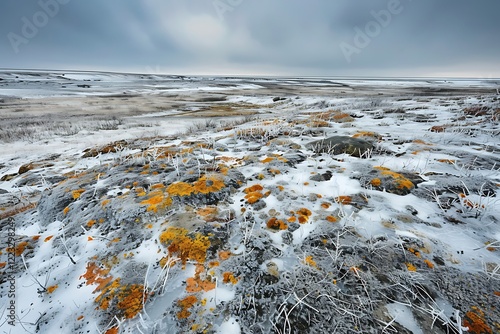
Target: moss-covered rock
342, 144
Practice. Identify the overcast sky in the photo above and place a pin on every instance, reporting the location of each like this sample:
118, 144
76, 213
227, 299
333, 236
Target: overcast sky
262, 37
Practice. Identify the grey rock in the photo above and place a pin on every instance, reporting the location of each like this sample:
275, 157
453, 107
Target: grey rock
342, 144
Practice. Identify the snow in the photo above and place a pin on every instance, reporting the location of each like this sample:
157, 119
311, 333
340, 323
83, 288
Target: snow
462, 246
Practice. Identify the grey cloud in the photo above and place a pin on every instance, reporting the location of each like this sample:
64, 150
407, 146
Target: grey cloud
284, 37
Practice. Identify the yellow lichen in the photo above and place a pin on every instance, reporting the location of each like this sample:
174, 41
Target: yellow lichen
401, 181
345, 200
228, 277
185, 304
200, 282
18, 249
410, 266
310, 262
52, 288
331, 219
77, 193
224, 255
304, 215
157, 201
276, 224
475, 322
184, 246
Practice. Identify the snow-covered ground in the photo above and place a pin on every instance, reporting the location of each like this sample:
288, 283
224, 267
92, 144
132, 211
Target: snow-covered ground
149, 203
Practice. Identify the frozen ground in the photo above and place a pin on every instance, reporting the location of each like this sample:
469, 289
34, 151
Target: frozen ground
156, 204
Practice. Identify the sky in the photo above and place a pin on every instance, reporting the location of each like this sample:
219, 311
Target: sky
376, 38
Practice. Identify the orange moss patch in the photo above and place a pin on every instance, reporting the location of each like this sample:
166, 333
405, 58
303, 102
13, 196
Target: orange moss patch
421, 142
438, 128
48, 238
376, 182
185, 304
126, 300
213, 264
77, 193
35, 237
304, 215
224, 255
340, 116
66, 210
344, 200
105, 202
273, 157
96, 275
276, 224
274, 171
157, 201
204, 185
91, 223
447, 161
369, 134
254, 188
52, 288
112, 330
254, 193
280, 188
130, 300
331, 219
18, 249
310, 262
401, 181
429, 263
197, 284
208, 213
474, 320
325, 205
80, 318
228, 277
187, 248
496, 293
208, 184
410, 267
414, 252
3, 264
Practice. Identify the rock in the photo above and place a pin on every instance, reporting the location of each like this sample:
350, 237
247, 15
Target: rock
25, 168
342, 144
277, 99
399, 183
321, 177
33, 165
111, 148
3, 191
8, 177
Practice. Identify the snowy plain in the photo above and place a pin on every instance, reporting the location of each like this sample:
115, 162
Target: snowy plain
360, 230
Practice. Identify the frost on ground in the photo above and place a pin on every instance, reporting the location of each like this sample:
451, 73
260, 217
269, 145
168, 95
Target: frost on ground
345, 214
